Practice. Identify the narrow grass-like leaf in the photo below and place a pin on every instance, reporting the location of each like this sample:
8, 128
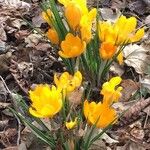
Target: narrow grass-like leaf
44, 137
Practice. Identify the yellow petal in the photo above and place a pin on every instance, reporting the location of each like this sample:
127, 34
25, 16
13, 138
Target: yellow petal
53, 36
120, 58
46, 101
107, 50
71, 124
138, 35
73, 15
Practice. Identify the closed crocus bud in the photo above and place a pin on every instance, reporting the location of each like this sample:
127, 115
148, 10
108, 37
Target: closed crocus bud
53, 36
73, 15
71, 124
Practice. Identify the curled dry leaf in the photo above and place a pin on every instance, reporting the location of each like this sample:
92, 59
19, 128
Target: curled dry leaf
138, 6
118, 4
21, 73
4, 105
136, 130
3, 36
137, 57
116, 69
3, 124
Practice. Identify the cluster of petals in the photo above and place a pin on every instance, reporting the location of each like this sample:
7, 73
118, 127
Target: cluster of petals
123, 31
46, 101
102, 114
78, 17
68, 83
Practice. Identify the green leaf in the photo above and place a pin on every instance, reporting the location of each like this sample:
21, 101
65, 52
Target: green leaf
44, 137
62, 28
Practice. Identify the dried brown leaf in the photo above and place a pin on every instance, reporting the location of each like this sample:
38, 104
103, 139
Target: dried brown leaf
129, 88
134, 111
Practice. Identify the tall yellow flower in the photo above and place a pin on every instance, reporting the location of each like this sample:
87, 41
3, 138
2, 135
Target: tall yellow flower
74, 11
67, 82
110, 94
72, 46
122, 31
73, 14
81, 4
46, 101
99, 114
86, 25
71, 124
107, 50
52, 36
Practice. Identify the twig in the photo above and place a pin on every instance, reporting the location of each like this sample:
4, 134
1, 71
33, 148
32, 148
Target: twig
19, 124
146, 119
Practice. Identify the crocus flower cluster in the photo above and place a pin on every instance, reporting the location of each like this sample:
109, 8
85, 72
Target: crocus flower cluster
102, 114
80, 21
122, 32
46, 101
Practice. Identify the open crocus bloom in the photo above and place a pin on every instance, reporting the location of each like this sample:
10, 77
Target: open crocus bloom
121, 32
99, 114
67, 82
46, 101
72, 46
107, 50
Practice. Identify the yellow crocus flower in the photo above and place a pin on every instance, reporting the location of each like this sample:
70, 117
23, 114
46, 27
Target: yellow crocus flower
107, 50
73, 15
99, 114
121, 32
72, 46
67, 82
110, 94
80, 3
74, 10
46, 101
52, 36
71, 124
86, 25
